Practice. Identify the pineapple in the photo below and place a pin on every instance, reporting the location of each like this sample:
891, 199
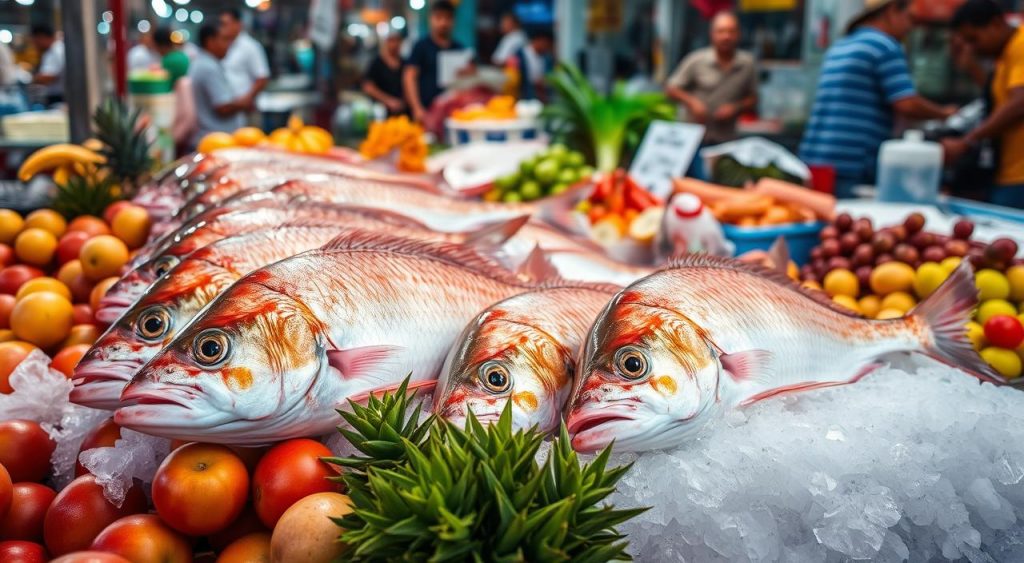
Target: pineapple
90, 194
124, 143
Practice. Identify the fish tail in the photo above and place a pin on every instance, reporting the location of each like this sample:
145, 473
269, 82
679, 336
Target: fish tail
558, 210
490, 237
946, 313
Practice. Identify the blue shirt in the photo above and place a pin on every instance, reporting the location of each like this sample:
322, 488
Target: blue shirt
863, 75
211, 89
424, 58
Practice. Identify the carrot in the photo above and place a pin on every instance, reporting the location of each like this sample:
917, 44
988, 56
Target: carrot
708, 193
751, 205
596, 213
638, 197
617, 199
823, 205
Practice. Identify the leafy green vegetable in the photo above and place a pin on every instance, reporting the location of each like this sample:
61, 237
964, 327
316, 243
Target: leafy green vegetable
601, 126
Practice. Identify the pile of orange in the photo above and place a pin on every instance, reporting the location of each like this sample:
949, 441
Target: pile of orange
53, 274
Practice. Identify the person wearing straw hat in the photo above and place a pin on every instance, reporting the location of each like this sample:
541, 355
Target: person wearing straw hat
865, 82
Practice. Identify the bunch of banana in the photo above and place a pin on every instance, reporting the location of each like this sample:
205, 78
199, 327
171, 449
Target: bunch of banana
63, 160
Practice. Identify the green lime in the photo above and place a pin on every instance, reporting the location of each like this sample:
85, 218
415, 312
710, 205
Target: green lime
531, 190
558, 189
558, 149
568, 176
506, 183
526, 167
547, 171
586, 171
575, 159
512, 197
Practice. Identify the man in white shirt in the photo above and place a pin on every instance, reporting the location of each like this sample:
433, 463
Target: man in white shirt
513, 39
143, 55
51, 63
246, 62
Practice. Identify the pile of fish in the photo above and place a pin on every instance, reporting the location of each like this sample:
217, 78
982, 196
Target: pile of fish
280, 287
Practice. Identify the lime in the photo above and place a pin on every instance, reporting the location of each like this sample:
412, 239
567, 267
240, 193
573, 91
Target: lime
558, 150
994, 307
568, 176
575, 159
526, 167
558, 189
546, 171
991, 285
929, 277
507, 183
512, 197
1004, 361
530, 190
586, 171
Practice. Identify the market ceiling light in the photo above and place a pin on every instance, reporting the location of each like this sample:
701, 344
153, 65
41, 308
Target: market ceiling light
143, 26
398, 22
417, 4
182, 2
6, 36
181, 14
383, 28
107, 16
26, 2
161, 8
103, 28
196, 16
253, 3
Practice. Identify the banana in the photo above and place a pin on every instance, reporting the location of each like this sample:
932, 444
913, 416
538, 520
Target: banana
93, 144
61, 175
53, 156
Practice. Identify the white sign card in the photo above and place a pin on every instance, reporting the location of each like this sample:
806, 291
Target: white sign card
449, 63
666, 152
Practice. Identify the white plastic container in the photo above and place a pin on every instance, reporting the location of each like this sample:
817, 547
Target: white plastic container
909, 169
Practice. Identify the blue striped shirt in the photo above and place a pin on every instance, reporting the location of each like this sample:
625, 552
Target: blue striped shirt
863, 75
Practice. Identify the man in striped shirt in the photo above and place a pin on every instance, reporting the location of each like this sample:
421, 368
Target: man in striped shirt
864, 83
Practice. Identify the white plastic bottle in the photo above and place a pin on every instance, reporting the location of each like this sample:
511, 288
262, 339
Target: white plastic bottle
909, 169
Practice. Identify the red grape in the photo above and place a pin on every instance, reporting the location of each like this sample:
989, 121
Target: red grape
863, 255
963, 229
864, 275
914, 223
883, 259
839, 263
906, 254
922, 240
830, 248
899, 232
829, 232
933, 254
864, 229
884, 242
1005, 249
816, 253
843, 222
847, 243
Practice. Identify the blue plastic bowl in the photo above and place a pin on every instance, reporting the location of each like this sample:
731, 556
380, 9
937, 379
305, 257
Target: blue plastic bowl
800, 237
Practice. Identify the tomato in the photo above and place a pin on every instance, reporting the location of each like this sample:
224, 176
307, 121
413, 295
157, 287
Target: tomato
7, 303
113, 209
200, 488
144, 538
6, 255
80, 512
244, 525
25, 450
70, 245
247, 549
105, 435
24, 521
288, 472
82, 314
1004, 331
6, 491
66, 360
22, 552
90, 557
12, 277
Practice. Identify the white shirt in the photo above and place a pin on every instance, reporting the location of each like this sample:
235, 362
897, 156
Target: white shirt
508, 46
8, 70
245, 63
141, 57
52, 64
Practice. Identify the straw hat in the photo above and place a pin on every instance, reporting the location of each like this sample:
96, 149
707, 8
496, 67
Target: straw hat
871, 8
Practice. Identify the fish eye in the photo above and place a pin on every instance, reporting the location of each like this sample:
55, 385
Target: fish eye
495, 377
631, 363
153, 323
164, 265
211, 347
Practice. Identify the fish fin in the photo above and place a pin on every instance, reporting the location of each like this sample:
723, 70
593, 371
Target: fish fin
779, 254
489, 237
558, 210
946, 313
751, 365
413, 386
537, 268
800, 387
356, 362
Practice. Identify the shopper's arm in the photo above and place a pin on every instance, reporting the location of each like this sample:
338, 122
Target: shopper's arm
1008, 115
44, 79
917, 107
696, 108
233, 107
412, 91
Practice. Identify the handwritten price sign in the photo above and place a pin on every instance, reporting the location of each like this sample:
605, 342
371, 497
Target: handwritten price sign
666, 152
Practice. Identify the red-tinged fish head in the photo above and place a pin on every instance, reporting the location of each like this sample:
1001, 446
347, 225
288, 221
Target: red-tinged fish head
647, 379
106, 368
498, 362
132, 286
248, 368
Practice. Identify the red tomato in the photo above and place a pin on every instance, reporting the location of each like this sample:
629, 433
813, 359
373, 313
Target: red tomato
24, 521
144, 538
66, 360
1004, 331
287, 473
25, 450
200, 489
244, 525
105, 435
112, 210
82, 314
6, 491
70, 245
12, 277
7, 303
22, 552
89, 224
90, 557
6, 255
80, 512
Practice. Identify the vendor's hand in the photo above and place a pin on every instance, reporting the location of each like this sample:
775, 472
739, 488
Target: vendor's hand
418, 113
726, 112
698, 111
954, 149
395, 104
950, 110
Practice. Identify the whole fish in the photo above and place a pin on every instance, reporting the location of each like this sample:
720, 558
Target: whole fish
521, 350
710, 334
157, 317
133, 284
273, 356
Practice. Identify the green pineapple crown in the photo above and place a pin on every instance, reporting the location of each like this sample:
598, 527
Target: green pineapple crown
440, 493
85, 195
124, 142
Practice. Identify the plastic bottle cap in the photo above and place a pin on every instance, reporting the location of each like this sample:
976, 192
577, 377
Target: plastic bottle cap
914, 135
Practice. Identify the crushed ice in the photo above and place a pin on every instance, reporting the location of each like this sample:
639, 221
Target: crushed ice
901, 466
134, 456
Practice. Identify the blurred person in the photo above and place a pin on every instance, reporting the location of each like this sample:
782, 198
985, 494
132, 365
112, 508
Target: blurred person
176, 63
143, 55
421, 79
246, 61
217, 107
534, 64
865, 82
718, 83
383, 78
10, 73
51, 63
513, 39
982, 25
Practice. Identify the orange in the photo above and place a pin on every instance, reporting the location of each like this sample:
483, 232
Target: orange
253, 547
47, 219
42, 318
131, 224
43, 284
35, 246
103, 256
6, 335
69, 271
214, 141
66, 360
81, 334
7, 303
99, 291
10, 225
90, 224
11, 354
249, 136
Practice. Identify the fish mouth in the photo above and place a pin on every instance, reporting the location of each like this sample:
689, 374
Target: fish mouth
583, 421
112, 308
106, 370
157, 395
105, 394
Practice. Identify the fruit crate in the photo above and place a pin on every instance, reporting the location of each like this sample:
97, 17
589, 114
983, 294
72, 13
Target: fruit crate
801, 238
